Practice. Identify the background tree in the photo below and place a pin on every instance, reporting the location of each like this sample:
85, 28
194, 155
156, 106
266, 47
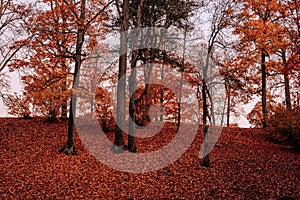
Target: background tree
219, 20
258, 27
123, 13
145, 14
17, 105
234, 79
84, 22
11, 15
64, 32
290, 55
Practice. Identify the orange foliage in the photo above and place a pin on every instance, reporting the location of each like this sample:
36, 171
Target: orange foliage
285, 126
17, 105
52, 33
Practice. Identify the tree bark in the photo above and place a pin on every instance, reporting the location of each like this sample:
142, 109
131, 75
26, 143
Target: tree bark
162, 76
206, 161
264, 89
228, 108
69, 147
287, 92
181, 79
179, 101
132, 125
118, 146
64, 106
286, 84
132, 85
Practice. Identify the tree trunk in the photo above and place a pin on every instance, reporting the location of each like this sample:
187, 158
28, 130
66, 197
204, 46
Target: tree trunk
228, 109
144, 101
181, 79
118, 146
264, 89
179, 102
199, 103
132, 125
210, 95
162, 76
69, 147
206, 161
287, 92
132, 85
286, 85
93, 89
64, 105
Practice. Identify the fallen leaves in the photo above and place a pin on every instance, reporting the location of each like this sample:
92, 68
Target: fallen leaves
244, 165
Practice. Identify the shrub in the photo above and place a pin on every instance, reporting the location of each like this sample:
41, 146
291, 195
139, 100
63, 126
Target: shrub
17, 105
284, 125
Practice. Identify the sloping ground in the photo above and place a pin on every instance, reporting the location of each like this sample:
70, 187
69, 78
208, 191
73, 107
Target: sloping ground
244, 165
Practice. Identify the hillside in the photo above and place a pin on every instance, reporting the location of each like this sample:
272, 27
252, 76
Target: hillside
244, 165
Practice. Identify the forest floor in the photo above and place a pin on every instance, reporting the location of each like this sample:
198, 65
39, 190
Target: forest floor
244, 165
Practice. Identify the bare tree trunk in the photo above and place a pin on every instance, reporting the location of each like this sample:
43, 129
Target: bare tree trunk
132, 85
286, 85
223, 112
205, 161
228, 110
162, 76
118, 146
64, 105
144, 101
264, 89
69, 147
179, 100
287, 92
181, 79
132, 125
210, 95
199, 103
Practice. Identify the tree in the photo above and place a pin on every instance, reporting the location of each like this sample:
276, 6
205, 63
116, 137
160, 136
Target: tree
290, 54
84, 23
99, 70
143, 14
17, 105
11, 15
123, 12
220, 18
132, 84
234, 81
103, 109
258, 27
63, 33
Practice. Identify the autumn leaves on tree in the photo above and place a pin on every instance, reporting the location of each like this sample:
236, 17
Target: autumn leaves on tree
249, 48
